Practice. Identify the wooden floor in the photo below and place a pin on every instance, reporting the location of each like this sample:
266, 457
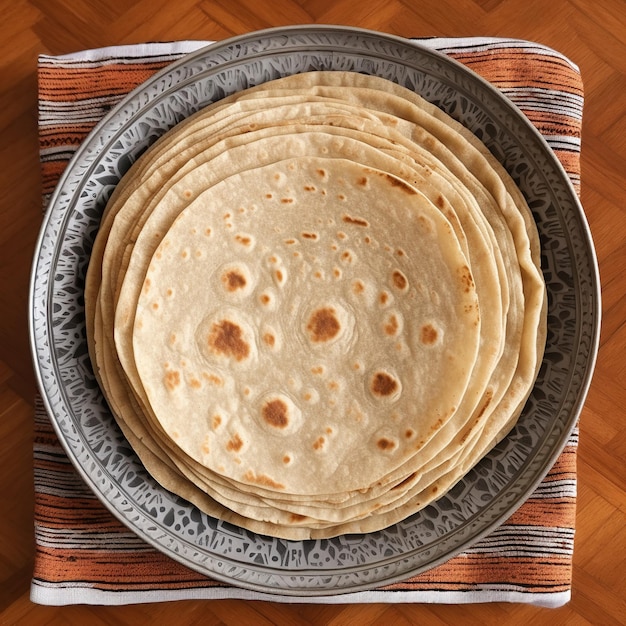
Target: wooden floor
591, 32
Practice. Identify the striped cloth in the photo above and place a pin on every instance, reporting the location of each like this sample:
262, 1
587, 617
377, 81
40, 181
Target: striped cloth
84, 555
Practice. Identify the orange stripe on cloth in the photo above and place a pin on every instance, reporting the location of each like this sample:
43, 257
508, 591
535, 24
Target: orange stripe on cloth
68, 135
553, 123
71, 84
50, 173
565, 465
105, 569
516, 68
73, 513
469, 571
553, 512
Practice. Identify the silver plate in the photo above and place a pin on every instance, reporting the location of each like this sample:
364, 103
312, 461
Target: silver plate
487, 495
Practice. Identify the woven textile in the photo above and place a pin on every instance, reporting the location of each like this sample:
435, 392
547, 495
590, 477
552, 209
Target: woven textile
84, 555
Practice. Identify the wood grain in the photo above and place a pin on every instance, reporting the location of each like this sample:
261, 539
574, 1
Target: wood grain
593, 34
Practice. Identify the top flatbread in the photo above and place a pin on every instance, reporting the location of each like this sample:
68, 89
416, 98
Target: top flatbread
317, 335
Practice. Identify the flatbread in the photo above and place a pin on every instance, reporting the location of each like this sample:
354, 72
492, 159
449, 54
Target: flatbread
276, 365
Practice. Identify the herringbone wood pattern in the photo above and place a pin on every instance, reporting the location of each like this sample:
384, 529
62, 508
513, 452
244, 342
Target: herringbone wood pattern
590, 32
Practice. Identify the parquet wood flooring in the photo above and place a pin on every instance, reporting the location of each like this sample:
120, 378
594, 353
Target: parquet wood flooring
591, 33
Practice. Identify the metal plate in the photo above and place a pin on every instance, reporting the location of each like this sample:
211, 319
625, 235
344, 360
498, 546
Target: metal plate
487, 494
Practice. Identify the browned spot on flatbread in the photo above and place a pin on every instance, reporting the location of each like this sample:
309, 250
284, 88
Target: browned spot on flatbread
391, 327
358, 286
396, 182
233, 280
437, 425
468, 432
357, 221
313, 236
213, 379
362, 181
226, 338
383, 384
296, 517
263, 480
399, 280
486, 403
216, 421
269, 339
425, 223
428, 334
430, 143
244, 240
318, 444
172, 379
440, 201
234, 444
466, 278
323, 325
386, 444
276, 413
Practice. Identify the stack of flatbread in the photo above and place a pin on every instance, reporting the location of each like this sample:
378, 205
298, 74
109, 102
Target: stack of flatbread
314, 305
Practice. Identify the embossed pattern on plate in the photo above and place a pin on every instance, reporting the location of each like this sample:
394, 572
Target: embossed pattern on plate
487, 494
